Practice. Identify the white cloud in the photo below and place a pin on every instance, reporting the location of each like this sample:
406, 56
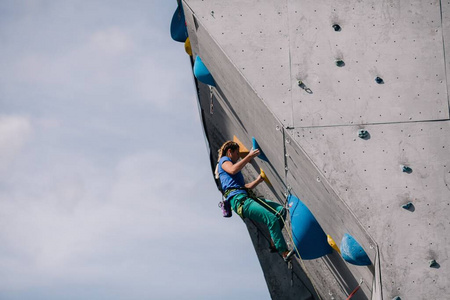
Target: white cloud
91, 60
112, 64
70, 231
47, 123
14, 133
87, 204
111, 41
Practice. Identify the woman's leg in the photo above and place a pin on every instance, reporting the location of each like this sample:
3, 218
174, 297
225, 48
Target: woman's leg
255, 211
273, 206
235, 200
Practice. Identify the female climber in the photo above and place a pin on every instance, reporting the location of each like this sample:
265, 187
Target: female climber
237, 192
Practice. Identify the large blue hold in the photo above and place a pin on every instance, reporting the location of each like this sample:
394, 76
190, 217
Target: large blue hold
309, 237
178, 29
256, 146
202, 73
352, 252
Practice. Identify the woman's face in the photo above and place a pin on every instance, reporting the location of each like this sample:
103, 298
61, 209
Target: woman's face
234, 155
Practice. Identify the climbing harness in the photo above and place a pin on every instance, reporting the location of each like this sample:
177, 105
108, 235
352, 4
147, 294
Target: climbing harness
228, 191
225, 204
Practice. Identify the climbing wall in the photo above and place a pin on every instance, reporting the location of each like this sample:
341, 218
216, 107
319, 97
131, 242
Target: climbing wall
223, 123
304, 78
368, 175
256, 40
400, 42
252, 118
384, 63
445, 7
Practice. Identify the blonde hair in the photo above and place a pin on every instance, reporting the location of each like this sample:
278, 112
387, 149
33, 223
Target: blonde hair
229, 145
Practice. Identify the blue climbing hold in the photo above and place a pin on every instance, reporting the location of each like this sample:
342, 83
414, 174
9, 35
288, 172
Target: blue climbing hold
202, 73
256, 146
379, 80
433, 263
309, 238
178, 29
352, 252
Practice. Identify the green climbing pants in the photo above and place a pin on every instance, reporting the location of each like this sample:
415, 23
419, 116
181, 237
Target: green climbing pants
259, 212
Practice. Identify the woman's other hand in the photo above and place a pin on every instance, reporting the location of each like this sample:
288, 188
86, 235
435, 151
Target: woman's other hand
255, 182
254, 152
260, 179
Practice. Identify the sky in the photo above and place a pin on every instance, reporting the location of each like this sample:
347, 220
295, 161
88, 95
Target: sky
106, 190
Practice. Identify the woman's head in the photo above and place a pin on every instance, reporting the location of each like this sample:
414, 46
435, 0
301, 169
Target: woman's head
228, 148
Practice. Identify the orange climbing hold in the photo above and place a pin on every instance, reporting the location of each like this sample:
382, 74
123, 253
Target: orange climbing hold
243, 151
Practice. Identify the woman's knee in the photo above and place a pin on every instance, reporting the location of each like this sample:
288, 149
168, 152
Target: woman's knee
273, 220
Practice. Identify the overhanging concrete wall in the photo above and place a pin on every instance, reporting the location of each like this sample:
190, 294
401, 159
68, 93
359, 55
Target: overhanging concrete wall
351, 185
255, 119
222, 123
367, 175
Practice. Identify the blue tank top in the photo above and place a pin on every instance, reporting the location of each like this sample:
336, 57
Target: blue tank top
229, 181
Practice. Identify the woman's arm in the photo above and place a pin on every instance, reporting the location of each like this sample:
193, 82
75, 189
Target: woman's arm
254, 183
232, 169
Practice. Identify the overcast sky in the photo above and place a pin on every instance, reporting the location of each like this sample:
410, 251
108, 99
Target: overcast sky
105, 186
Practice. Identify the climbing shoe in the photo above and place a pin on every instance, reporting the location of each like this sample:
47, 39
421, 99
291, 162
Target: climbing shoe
287, 255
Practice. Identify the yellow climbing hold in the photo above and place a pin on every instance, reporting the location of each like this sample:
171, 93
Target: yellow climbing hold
332, 243
264, 176
243, 151
187, 47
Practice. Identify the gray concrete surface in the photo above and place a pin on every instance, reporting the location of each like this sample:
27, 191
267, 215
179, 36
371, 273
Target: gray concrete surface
258, 50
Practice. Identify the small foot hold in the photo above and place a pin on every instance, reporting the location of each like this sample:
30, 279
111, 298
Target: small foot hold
287, 255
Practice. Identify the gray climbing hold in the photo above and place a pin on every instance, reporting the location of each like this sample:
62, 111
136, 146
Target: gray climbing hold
407, 205
302, 85
336, 27
340, 63
406, 169
363, 133
433, 263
